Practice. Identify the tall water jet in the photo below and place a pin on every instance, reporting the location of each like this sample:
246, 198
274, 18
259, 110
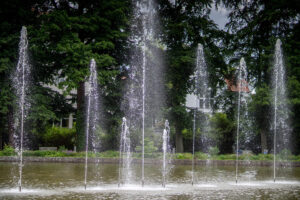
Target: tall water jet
205, 102
92, 111
144, 95
200, 101
244, 121
125, 155
280, 106
194, 135
166, 151
21, 86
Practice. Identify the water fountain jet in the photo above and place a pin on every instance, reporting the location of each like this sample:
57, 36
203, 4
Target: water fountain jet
242, 76
200, 99
91, 114
144, 96
125, 154
166, 150
21, 85
280, 105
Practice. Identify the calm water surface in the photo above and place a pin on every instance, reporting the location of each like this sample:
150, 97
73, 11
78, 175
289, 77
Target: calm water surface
65, 181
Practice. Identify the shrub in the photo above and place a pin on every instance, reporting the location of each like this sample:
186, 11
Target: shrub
183, 156
285, 154
226, 157
62, 148
109, 154
213, 151
8, 151
201, 156
58, 137
149, 147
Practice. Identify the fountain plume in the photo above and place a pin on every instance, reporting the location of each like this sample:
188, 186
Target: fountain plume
166, 151
21, 85
203, 94
144, 96
281, 127
92, 111
245, 133
125, 154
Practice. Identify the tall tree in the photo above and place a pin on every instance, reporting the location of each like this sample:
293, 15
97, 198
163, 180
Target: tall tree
13, 15
255, 26
187, 23
69, 34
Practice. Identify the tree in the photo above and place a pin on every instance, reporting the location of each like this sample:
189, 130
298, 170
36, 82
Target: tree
256, 25
222, 131
13, 15
186, 24
69, 34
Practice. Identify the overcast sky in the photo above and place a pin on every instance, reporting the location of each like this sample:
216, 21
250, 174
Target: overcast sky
219, 15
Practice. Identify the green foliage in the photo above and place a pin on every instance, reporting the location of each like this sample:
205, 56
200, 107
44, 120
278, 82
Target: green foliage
213, 151
57, 137
63, 38
187, 133
222, 130
185, 24
201, 156
62, 148
8, 151
149, 147
109, 154
107, 140
255, 26
44, 153
183, 156
225, 157
285, 154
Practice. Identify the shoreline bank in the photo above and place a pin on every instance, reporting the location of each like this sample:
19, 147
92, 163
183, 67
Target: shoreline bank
148, 161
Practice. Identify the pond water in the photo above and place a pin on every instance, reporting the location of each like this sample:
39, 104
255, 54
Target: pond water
66, 181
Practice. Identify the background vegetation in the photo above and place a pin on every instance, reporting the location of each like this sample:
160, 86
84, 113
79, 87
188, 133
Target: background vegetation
64, 35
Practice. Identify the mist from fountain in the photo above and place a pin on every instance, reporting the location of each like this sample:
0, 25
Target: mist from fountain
203, 92
244, 132
144, 96
125, 155
166, 151
92, 113
281, 126
21, 81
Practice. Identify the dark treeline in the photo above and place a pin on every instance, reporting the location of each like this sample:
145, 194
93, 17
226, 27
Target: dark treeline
65, 34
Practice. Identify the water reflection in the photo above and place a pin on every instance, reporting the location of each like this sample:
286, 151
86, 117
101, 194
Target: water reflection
64, 181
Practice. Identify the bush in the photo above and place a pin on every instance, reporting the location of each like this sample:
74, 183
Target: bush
62, 148
8, 151
58, 137
201, 156
285, 154
149, 147
109, 154
213, 151
226, 157
183, 156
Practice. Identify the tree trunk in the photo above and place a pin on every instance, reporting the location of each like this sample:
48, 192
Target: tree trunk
10, 126
1, 143
263, 138
179, 140
80, 139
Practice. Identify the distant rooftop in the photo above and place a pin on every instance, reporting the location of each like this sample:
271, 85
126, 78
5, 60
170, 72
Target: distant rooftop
236, 86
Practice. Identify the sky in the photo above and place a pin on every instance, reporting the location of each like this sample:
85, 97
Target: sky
219, 15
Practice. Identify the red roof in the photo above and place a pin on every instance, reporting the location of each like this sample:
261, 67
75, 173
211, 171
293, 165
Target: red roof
241, 85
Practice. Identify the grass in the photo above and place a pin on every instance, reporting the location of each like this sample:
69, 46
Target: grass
8, 151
